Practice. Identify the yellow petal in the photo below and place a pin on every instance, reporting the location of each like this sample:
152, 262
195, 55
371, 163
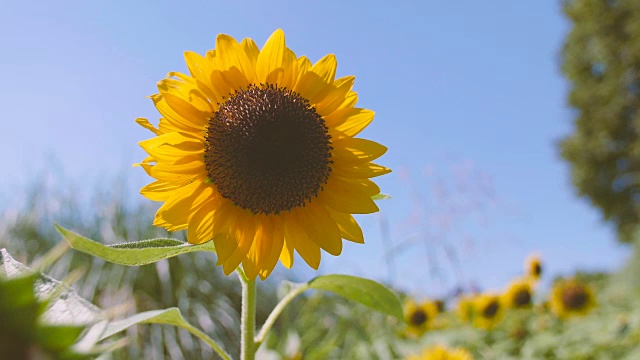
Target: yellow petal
201, 195
250, 268
177, 120
181, 197
252, 51
177, 172
349, 228
286, 256
147, 125
225, 245
161, 190
312, 87
295, 235
287, 74
362, 171
350, 200
186, 88
198, 118
166, 126
173, 147
201, 226
243, 230
267, 246
336, 97
326, 68
349, 101
159, 221
224, 216
303, 67
261, 243
223, 83
365, 186
230, 54
236, 78
277, 247
199, 67
356, 151
348, 122
320, 227
271, 57
205, 90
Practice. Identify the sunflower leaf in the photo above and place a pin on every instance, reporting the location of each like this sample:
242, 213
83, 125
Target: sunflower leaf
171, 316
364, 291
151, 243
133, 253
44, 313
381, 197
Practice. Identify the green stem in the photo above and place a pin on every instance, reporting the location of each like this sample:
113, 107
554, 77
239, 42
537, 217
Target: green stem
277, 311
248, 319
217, 348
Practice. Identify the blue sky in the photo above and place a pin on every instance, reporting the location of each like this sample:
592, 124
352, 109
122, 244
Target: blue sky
468, 99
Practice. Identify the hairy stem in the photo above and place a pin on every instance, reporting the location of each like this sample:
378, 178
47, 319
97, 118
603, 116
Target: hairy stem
248, 319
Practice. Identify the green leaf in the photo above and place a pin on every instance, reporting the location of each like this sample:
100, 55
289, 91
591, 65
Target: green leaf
151, 243
58, 337
364, 291
17, 292
133, 253
63, 305
171, 316
381, 197
39, 311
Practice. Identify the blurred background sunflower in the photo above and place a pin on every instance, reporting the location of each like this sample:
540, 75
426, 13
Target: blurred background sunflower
570, 297
519, 294
419, 317
439, 352
489, 310
533, 266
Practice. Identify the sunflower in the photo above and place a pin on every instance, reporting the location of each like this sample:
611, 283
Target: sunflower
419, 317
533, 266
519, 294
488, 310
439, 352
256, 149
569, 298
466, 307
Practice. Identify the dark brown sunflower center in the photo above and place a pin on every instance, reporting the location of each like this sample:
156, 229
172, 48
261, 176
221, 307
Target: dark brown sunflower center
537, 269
440, 305
522, 298
574, 297
267, 150
491, 309
418, 317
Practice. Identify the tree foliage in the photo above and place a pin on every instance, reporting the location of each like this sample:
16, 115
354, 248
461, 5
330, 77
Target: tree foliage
601, 60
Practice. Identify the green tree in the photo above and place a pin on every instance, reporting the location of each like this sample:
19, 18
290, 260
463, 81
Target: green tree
601, 60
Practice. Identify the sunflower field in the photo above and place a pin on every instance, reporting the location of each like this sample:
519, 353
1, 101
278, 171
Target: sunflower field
261, 169
585, 316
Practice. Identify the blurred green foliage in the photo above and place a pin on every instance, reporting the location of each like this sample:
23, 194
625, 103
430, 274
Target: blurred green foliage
327, 326
42, 318
23, 334
207, 298
314, 326
601, 60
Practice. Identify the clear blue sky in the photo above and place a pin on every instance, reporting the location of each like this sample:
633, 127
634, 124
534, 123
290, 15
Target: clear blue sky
463, 87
